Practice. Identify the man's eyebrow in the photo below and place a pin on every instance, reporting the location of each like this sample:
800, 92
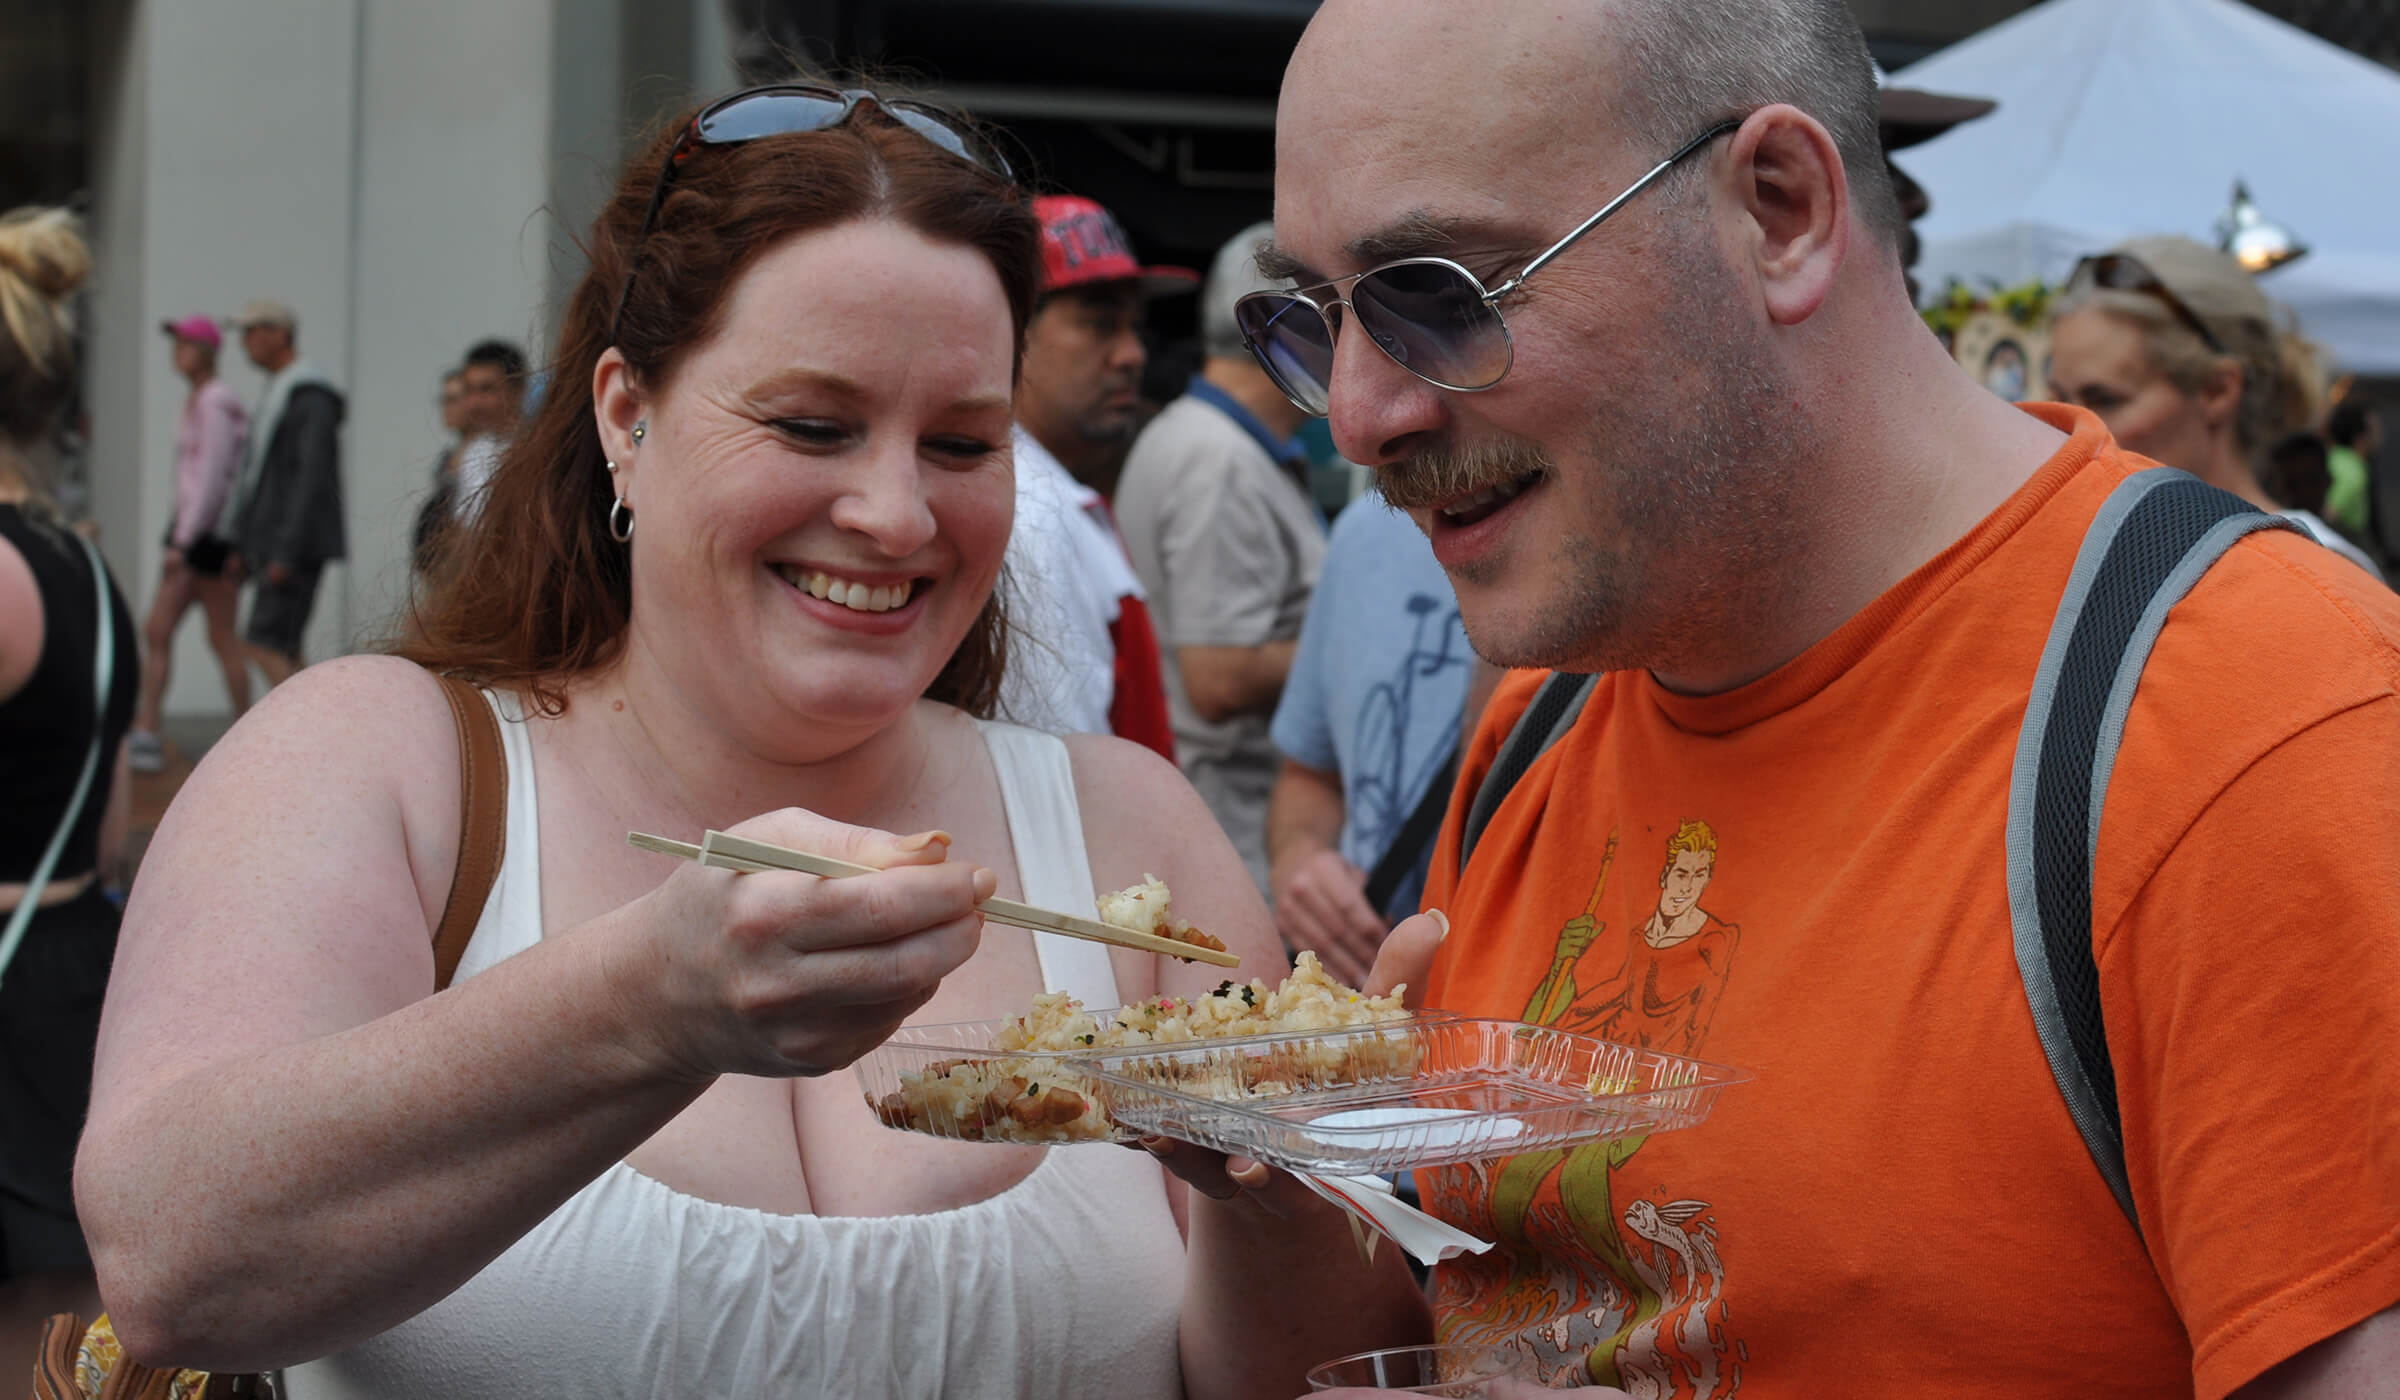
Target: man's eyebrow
1276, 265
1415, 234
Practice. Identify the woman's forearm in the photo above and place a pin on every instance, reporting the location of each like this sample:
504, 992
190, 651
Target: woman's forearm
275, 1208
1267, 1298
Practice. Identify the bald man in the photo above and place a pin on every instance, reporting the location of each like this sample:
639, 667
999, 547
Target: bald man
1713, 455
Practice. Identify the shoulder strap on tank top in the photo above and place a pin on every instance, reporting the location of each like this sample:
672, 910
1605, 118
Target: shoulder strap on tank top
482, 824
1045, 824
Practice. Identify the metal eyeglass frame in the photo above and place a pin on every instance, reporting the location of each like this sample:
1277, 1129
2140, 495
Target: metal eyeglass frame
1490, 298
911, 115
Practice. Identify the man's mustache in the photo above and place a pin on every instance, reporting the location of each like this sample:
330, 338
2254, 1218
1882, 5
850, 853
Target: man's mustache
1440, 475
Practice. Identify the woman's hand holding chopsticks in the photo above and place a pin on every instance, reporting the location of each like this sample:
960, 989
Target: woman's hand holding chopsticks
781, 974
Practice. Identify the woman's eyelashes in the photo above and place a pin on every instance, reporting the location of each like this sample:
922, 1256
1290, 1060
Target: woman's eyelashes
828, 434
965, 449
813, 432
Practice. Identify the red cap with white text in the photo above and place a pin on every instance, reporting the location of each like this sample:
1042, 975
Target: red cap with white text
1083, 243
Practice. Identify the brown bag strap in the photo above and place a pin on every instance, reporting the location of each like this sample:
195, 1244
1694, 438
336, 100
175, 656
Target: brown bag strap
482, 824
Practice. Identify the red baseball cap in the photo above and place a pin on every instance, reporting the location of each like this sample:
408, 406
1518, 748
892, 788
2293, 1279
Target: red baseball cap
200, 330
1082, 243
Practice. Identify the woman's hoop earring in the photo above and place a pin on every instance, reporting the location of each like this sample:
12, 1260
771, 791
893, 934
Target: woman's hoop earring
620, 521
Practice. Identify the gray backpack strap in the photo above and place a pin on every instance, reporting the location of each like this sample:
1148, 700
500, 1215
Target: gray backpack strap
2154, 537
1555, 708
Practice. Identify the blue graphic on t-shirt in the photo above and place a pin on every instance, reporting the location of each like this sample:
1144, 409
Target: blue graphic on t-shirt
1389, 780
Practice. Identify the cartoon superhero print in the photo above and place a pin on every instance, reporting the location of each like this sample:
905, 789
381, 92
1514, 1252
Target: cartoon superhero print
1631, 1297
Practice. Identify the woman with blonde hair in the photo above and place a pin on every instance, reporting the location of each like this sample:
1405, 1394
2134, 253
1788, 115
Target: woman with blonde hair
736, 573
70, 665
2176, 349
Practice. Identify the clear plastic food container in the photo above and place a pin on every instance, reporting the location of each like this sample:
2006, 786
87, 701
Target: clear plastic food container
1422, 1093
947, 1080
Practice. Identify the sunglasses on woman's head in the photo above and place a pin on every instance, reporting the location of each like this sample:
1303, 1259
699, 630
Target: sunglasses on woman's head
2123, 272
1433, 318
788, 109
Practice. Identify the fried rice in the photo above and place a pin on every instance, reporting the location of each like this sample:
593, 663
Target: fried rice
1021, 1094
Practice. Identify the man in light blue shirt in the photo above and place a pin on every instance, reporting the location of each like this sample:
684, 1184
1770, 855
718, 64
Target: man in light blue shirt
1215, 510
1368, 723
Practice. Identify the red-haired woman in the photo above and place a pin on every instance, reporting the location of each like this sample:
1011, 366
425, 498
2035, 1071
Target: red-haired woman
741, 563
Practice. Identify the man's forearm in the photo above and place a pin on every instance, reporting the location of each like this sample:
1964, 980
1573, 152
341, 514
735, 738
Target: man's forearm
1222, 682
1264, 1300
1304, 816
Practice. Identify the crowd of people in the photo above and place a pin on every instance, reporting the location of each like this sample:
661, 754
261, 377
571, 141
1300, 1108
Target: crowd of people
836, 518
258, 498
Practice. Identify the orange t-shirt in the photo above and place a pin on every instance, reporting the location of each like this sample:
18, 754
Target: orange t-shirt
1804, 878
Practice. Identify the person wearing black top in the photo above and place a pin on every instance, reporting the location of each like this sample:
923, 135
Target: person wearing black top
50, 604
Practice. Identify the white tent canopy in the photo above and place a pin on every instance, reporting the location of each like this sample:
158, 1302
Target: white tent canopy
2126, 117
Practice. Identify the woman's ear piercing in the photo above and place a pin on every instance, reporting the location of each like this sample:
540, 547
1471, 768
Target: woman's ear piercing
640, 428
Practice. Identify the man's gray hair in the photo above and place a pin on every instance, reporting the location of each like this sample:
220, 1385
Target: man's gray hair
1231, 277
1702, 61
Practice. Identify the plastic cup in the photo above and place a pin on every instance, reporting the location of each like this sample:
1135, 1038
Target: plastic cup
1461, 1372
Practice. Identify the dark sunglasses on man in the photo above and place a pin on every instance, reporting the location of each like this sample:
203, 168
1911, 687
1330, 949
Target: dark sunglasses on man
1434, 318
2123, 272
786, 109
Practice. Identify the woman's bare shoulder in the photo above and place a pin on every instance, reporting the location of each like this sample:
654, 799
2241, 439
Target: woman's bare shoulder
348, 720
349, 767
291, 888
1106, 765
1138, 800
21, 620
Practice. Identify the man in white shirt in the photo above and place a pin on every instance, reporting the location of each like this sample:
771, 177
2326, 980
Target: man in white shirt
493, 375
1082, 657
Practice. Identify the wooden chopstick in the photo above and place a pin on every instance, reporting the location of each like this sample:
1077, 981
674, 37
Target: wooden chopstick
740, 853
1005, 911
685, 850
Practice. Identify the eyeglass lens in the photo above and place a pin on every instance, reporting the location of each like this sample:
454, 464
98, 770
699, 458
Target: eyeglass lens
1293, 343
781, 113
1429, 317
755, 115
941, 134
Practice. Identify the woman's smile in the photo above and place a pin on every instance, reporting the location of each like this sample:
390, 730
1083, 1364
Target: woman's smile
878, 605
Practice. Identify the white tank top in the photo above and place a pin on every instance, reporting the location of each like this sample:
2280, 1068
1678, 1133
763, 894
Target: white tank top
1067, 1284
